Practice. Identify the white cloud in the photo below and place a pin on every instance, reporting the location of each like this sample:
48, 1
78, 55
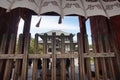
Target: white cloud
51, 23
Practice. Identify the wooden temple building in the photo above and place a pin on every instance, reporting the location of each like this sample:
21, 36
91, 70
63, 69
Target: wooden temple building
105, 42
58, 40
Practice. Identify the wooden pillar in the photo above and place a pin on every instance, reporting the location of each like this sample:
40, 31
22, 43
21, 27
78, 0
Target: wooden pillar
82, 21
83, 33
9, 25
102, 27
115, 30
9, 22
26, 15
27, 21
2, 30
2, 20
116, 26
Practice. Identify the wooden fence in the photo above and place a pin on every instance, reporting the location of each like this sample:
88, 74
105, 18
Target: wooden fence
102, 56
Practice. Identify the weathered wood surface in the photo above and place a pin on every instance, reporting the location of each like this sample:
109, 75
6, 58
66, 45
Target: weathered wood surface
35, 68
44, 73
109, 59
75, 55
96, 66
53, 77
63, 60
9, 63
17, 61
88, 63
102, 60
80, 57
104, 55
72, 65
2, 49
25, 57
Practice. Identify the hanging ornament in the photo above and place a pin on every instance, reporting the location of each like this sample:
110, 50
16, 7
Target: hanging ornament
60, 20
38, 24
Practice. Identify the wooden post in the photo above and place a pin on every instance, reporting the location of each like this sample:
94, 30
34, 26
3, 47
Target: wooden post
72, 65
2, 25
63, 67
44, 72
2, 51
35, 61
9, 63
115, 39
27, 18
88, 64
83, 31
2, 48
102, 60
25, 57
97, 77
53, 56
109, 60
17, 62
8, 25
80, 57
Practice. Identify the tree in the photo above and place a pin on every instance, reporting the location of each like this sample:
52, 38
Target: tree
40, 47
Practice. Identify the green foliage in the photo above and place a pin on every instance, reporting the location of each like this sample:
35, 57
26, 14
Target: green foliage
91, 59
40, 47
90, 46
31, 50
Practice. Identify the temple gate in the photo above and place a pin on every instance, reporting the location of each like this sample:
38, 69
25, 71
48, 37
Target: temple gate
102, 58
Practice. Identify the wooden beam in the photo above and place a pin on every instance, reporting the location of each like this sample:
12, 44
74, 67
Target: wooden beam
75, 55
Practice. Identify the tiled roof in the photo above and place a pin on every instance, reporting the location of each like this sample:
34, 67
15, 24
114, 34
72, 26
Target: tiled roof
58, 33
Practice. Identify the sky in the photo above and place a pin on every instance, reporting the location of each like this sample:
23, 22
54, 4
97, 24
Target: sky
69, 24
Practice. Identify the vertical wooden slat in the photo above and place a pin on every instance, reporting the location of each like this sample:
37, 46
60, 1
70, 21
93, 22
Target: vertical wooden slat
72, 65
44, 72
53, 56
80, 57
17, 62
102, 60
25, 57
88, 64
97, 77
35, 68
8, 67
63, 68
2, 49
109, 60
